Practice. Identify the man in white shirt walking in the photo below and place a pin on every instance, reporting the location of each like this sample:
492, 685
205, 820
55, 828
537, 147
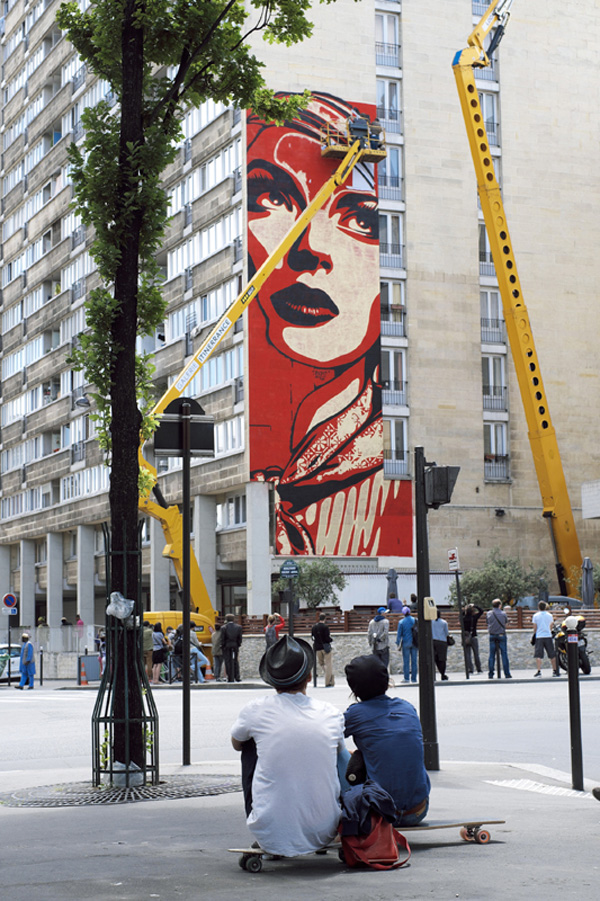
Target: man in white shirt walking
543, 622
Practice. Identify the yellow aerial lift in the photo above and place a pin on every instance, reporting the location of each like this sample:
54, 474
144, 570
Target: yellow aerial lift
361, 141
546, 457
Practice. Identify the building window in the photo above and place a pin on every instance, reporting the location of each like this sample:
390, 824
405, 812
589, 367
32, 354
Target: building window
493, 330
391, 241
495, 454
489, 109
389, 175
393, 380
232, 513
388, 104
393, 312
495, 396
387, 44
395, 456
486, 262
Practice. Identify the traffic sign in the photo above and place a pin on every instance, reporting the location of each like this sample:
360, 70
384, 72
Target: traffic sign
289, 570
453, 564
8, 611
9, 600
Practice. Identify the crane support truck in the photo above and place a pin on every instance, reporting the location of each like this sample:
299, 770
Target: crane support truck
542, 437
362, 141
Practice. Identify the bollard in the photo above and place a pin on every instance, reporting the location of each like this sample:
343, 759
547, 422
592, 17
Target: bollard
574, 703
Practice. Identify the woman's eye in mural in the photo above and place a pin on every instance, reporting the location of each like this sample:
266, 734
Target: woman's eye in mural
358, 214
271, 189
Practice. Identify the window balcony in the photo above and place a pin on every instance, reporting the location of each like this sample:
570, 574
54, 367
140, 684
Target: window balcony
492, 130
395, 462
496, 467
238, 249
390, 187
479, 7
187, 215
486, 73
391, 119
78, 237
238, 390
77, 452
393, 393
495, 398
393, 321
486, 263
387, 54
493, 331
391, 256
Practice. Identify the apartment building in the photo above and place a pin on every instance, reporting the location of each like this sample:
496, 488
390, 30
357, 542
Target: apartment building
395, 340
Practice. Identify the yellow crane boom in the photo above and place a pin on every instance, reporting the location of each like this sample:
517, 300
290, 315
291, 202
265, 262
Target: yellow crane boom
542, 437
362, 141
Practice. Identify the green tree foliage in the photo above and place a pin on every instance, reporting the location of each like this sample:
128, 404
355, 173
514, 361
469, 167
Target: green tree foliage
317, 583
499, 577
159, 57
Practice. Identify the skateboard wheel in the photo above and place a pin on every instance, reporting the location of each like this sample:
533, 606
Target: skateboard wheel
482, 836
254, 864
242, 861
466, 834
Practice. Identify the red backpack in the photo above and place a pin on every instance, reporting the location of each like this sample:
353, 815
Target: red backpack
378, 850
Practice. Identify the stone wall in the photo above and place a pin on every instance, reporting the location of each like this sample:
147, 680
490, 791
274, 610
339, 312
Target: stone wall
349, 645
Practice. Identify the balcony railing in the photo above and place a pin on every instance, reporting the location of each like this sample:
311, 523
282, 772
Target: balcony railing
237, 180
187, 215
486, 263
78, 237
188, 280
393, 393
238, 390
393, 322
79, 78
479, 7
391, 256
495, 397
387, 54
391, 119
492, 129
493, 331
77, 289
390, 187
496, 467
395, 463
486, 73
187, 150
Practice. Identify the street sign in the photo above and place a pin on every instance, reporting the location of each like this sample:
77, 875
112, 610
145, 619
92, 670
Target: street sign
9, 600
289, 570
453, 564
9, 611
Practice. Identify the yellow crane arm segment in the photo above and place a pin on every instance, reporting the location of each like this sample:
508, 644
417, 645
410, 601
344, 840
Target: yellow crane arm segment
368, 144
542, 437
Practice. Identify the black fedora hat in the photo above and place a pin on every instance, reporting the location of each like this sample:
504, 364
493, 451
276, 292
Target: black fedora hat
287, 662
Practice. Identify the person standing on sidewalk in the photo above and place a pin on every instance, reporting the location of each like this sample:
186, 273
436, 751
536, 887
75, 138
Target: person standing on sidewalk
405, 638
439, 634
496, 623
471, 614
216, 640
322, 639
232, 639
542, 622
26, 663
378, 636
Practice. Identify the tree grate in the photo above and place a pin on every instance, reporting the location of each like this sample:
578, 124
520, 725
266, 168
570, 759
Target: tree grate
84, 794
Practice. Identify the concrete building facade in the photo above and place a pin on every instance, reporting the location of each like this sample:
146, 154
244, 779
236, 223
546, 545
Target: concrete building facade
444, 372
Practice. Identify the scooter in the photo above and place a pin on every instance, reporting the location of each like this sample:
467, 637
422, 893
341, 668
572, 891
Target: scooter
560, 643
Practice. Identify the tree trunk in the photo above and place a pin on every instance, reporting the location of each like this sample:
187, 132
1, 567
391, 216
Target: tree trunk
126, 418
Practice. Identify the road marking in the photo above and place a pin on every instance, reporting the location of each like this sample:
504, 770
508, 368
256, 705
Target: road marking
529, 786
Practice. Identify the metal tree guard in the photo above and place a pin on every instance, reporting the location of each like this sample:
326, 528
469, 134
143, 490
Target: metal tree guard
124, 703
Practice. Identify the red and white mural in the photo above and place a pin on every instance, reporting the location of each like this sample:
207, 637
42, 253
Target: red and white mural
314, 400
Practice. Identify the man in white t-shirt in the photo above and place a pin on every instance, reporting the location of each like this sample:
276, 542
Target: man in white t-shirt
543, 622
294, 806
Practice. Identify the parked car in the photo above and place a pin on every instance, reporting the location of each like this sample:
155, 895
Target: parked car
15, 653
531, 601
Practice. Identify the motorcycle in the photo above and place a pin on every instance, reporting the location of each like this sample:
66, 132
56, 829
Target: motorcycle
560, 643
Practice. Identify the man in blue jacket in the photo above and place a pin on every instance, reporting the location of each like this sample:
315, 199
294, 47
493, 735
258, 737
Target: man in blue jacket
405, 639
26, 663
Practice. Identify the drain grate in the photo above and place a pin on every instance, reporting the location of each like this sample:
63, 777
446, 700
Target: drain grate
83, 794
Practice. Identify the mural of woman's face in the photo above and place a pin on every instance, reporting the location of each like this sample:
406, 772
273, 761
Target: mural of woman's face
321, 302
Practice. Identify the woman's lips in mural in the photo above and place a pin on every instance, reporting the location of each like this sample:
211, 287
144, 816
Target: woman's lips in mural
300, 305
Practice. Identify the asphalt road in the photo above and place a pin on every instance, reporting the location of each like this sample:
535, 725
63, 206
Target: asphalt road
505, 754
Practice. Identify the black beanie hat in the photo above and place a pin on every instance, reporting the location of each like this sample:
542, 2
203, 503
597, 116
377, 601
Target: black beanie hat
367, 676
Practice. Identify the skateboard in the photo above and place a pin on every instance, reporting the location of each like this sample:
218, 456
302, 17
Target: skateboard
470, 830
251, 858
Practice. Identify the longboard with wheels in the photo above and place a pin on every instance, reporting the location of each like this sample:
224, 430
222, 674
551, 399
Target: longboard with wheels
251, 858
470, 830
